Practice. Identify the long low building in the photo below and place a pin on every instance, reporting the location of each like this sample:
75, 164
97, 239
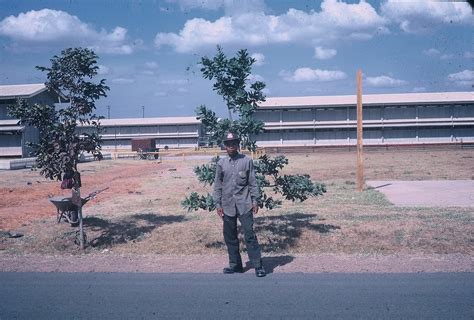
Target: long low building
409, 118
172, 132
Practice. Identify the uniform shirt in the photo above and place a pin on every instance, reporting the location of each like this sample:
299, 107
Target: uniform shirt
235, 187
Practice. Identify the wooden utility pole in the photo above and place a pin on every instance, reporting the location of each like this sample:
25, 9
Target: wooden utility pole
360, 154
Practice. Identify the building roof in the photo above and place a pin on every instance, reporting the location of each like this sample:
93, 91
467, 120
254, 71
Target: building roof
9, 122
27, 91
11, 128
10, 125
148, 121
21, 90
369, 99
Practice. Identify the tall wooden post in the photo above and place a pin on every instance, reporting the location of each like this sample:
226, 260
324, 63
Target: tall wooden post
360, 154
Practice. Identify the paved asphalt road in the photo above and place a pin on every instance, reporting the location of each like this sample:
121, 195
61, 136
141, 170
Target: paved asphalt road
217, 296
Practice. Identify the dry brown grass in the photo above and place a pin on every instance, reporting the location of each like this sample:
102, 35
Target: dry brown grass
141, 212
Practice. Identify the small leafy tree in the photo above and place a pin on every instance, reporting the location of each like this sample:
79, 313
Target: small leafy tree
231, 81
60, 145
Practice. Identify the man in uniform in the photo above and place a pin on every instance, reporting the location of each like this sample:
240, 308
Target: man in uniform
235, 195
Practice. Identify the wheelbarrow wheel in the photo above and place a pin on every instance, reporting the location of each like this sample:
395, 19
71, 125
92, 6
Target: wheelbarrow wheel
73, 218
77, 239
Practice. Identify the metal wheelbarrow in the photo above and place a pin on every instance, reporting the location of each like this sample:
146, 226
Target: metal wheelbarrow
67, 210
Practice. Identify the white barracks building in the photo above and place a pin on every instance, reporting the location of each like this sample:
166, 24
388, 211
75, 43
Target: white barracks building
388, 119
172, 132
409, 118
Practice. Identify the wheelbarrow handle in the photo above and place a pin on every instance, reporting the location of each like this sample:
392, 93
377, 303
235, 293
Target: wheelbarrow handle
93, 194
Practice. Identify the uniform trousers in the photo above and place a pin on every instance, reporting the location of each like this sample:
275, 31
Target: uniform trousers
232, 241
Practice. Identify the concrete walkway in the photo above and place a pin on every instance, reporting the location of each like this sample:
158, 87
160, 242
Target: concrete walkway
440, 193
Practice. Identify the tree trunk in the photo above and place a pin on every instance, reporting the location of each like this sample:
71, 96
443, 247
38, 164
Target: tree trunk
78, 184
77, 200
81, 228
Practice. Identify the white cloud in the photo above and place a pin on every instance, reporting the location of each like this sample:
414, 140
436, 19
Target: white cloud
260, 59
324, 54
103, 70
419, 89
425, 15
53, 26
463, 78
230, 6
165, 9
150, 68
351, 16
446, 56
174, 81
384, 81
255, 77
123, 81
148, 72
469, 54
463, 75
432, 52
335, 21
308, 74
151, 65
203, 4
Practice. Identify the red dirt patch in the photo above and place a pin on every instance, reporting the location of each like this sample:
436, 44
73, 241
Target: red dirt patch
23, 204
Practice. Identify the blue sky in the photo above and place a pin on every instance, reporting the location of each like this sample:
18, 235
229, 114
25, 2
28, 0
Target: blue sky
149, 50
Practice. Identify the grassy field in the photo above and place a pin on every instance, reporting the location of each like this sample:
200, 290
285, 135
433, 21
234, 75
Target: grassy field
141, 212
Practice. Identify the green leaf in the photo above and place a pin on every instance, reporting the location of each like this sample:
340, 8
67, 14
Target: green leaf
59, 144
230, 78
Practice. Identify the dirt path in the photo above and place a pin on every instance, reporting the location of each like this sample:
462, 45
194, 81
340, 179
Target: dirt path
214, 263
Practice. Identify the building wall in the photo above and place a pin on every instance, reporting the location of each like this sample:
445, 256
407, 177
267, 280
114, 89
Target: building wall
405, 124
4, 103
125, 144
171, 135
10, 144
42, 98
14, 142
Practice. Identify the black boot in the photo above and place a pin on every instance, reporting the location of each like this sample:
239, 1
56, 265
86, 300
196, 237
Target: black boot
260, 272
236, 269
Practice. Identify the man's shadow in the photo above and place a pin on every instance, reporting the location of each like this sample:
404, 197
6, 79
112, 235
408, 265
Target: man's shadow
279, 233
270, 263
